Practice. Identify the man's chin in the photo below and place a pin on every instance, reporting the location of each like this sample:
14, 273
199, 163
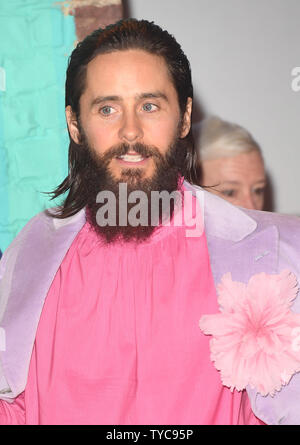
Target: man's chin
132, 173
134, 177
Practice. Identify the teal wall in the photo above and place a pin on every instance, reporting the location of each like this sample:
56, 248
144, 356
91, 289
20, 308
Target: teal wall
35, 42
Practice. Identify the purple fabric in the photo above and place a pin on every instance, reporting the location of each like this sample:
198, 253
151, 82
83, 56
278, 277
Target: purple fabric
239, 241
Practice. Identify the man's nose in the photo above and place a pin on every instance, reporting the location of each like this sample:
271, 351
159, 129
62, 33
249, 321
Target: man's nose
131, 128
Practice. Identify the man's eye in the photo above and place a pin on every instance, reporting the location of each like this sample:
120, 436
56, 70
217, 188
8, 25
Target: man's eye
107, 110
149, 107
229, 193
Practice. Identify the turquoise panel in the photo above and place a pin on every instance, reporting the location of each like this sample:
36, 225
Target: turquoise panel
35, 42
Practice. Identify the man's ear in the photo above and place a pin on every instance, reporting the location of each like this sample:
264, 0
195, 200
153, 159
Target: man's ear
186, 122
72, 125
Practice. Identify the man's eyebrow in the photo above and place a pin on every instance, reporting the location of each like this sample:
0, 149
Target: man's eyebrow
100, 99
153, 95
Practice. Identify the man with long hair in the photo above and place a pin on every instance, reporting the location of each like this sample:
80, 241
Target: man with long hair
101, 296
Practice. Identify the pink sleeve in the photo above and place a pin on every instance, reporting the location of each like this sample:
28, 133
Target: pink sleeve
13, 413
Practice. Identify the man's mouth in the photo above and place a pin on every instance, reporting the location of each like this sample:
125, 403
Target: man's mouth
132, 158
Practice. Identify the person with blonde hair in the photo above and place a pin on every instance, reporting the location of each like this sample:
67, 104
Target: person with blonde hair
231, 163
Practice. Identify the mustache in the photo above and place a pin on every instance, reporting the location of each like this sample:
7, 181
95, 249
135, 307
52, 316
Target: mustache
139, 148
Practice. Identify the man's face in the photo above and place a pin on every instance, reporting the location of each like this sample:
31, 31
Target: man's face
129, 98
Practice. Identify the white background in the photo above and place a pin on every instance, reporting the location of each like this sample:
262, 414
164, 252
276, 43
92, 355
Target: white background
242, 53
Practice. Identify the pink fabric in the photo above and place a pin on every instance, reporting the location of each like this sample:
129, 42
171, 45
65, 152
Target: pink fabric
251, 342
119, 343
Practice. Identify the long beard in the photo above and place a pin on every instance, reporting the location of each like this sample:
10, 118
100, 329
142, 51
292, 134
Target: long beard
166, 177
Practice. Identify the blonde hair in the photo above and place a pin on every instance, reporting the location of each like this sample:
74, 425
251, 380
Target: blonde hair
218, 139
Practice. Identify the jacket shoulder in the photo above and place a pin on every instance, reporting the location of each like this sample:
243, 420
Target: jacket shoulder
286, 224
40, 218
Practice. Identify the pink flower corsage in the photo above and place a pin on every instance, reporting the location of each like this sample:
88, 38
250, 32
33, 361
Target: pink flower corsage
256, 337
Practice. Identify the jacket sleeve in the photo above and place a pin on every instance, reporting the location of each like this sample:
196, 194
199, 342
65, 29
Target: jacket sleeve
284, 407
281, 409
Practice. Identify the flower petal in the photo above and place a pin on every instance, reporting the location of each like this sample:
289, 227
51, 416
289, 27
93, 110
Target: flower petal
288, 286
256, 337
230, 293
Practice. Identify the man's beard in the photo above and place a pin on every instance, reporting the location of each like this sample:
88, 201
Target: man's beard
166, 177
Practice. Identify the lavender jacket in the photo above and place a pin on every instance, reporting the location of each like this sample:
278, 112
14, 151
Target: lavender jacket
240, 241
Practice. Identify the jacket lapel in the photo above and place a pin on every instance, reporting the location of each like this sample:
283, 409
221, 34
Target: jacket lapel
236, 243
254, 254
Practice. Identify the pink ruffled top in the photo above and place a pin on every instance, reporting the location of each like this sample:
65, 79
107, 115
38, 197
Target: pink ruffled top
119, 342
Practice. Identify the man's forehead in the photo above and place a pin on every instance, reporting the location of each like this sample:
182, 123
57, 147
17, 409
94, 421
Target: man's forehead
137, 72
135, 60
